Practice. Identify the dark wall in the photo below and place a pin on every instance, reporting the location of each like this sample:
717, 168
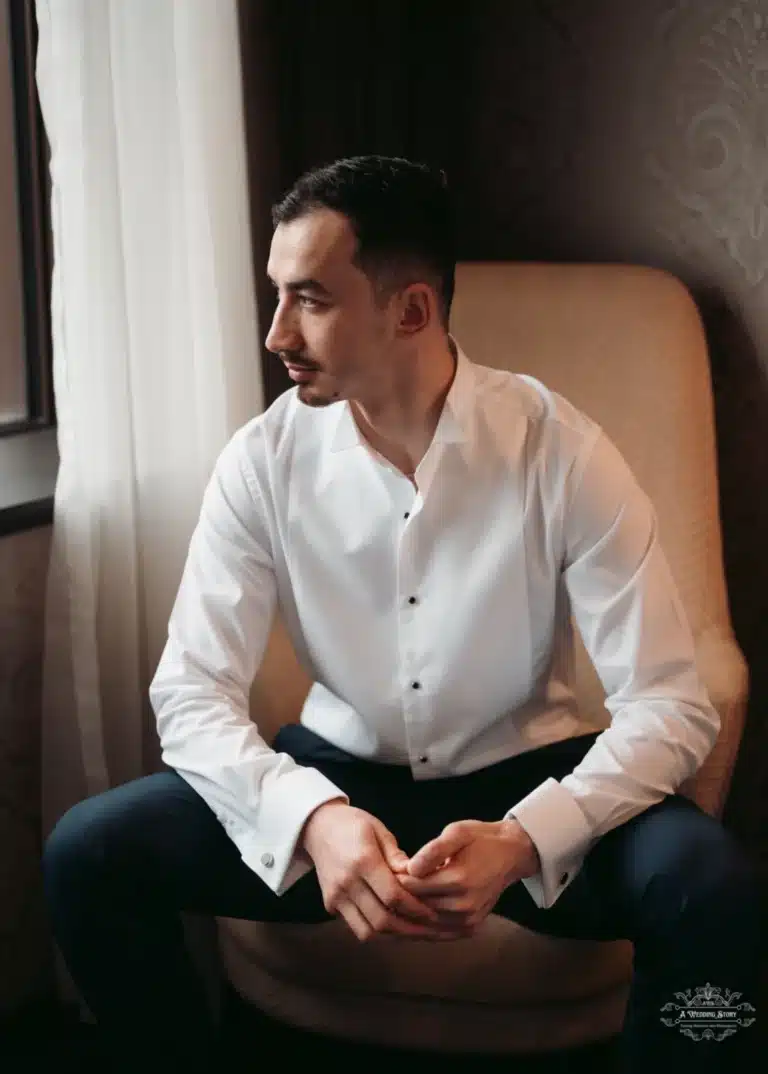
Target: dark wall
577, 130
325, 79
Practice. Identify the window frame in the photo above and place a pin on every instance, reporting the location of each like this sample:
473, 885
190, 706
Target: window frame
33, 188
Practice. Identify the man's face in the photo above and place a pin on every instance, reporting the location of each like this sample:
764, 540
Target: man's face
327, 321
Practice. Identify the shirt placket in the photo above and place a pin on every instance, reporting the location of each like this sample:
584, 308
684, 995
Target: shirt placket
414, 684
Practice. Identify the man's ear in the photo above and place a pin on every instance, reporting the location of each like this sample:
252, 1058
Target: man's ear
418, 308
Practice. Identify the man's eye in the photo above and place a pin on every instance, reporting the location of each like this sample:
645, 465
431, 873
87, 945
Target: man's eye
309, 303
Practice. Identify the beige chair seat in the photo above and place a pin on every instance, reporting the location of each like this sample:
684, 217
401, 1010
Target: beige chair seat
625, 345
321, 978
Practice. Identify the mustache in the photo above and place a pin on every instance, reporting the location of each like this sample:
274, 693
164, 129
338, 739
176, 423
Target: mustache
296, 360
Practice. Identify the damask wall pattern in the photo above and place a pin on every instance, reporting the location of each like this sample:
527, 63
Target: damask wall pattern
711, 142
612, 130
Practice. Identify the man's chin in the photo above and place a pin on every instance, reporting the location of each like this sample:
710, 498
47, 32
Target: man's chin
310, 397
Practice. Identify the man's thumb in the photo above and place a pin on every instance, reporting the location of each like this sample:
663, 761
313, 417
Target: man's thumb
396, 858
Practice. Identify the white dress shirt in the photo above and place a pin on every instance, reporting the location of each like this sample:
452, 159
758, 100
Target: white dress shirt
435, 622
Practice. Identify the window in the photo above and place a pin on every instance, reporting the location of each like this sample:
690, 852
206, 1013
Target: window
26, 401
28, 445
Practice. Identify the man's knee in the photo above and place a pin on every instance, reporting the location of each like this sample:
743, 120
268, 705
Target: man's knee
701, 872
74, 851
92, 832
711, 860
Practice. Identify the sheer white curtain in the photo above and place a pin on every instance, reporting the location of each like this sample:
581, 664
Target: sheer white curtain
155, 349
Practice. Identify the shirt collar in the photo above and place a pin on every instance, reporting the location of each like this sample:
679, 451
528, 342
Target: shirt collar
453, 426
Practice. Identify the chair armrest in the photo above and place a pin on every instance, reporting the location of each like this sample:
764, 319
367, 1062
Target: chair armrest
724, 672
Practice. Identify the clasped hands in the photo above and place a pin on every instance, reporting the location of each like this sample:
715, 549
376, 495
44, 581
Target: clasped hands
444, 892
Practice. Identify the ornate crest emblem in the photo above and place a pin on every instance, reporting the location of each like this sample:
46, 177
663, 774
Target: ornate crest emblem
708, 1013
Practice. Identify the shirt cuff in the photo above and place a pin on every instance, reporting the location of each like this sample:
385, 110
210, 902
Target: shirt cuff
561, 834
271, 851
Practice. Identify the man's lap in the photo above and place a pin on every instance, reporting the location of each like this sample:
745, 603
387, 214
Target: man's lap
202, 870
674, 837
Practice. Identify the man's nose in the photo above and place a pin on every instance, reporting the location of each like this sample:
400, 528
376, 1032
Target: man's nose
283, 334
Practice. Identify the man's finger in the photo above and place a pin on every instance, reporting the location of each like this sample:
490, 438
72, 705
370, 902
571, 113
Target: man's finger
395, 897
451, 905
379, 919
356, 921
383, 918
396, 858
447, 881
433, 854
374, 912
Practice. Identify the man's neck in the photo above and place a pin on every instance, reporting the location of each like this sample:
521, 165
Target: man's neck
401, 427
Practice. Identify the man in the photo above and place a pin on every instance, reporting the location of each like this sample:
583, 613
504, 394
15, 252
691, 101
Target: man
427, 528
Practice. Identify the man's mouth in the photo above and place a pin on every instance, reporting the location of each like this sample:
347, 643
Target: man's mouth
299, 373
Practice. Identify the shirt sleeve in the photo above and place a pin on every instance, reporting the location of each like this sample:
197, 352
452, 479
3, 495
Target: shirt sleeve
217, 636
627, 609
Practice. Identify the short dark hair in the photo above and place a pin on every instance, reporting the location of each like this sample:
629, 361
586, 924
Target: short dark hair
400, 211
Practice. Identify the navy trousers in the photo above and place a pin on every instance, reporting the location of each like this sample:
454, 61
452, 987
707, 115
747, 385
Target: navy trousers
121, 866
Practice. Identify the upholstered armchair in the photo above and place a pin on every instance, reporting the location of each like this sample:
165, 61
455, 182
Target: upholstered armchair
624, 344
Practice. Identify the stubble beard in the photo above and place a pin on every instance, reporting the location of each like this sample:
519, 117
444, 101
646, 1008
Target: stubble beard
308, 397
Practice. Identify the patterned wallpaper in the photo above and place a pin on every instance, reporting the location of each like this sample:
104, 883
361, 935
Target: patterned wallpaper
611, 130
709, 153
24, 952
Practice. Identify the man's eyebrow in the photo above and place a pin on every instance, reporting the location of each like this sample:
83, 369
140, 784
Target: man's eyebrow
307, 284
